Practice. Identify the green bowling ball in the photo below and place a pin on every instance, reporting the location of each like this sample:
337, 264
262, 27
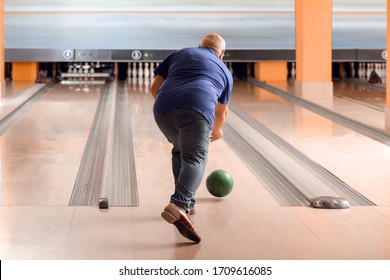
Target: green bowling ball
219, 183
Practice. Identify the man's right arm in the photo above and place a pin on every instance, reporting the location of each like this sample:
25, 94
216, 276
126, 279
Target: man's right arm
220, 118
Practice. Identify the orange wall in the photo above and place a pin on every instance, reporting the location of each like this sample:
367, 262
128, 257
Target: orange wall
24, 71
313, 39
271, 71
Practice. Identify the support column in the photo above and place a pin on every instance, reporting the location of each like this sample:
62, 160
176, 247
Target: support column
313, 55
271, 71
313, 39
387, 56
387, 112
2, 63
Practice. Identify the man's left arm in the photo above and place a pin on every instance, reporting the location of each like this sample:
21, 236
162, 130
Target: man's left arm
156, 84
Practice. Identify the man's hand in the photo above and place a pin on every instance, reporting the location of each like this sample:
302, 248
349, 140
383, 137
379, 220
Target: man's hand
216, 135
220, 118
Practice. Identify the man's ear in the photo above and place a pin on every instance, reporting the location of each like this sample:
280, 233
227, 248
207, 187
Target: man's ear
222, 54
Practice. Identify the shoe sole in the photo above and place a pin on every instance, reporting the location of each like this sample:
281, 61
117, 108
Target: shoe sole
169, 217
172, 216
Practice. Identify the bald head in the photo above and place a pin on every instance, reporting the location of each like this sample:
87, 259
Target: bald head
214, 41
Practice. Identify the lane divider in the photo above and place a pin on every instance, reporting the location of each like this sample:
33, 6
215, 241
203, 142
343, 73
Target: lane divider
88, 182
329, 180
107, 173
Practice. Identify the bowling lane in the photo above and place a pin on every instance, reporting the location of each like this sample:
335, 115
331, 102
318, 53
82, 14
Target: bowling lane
152, 153
40, 154
362, 104
359, 161
373, 95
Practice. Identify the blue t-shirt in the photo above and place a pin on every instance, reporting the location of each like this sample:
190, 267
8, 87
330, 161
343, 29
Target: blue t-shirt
195, 78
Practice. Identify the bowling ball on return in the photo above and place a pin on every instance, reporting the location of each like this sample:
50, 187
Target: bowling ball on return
219, 183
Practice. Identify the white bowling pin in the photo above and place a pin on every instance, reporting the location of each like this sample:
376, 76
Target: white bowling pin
293, 71
152, 70
140, 70
129, 70
134, 71
378, 69
368, 70
353, 69
147, 70
383, 72
361, 71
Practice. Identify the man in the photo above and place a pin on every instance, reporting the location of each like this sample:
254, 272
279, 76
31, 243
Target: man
192, 89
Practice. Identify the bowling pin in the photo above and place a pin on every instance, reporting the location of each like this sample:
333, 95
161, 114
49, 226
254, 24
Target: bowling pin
134, 71
378, 69
147, 70
365, 70
152, 70
140, 70
86, 68
384, 72
293, 71
360, 71
368, 70
129, 70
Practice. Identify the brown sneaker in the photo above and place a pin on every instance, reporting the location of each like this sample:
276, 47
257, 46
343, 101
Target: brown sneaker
180, 220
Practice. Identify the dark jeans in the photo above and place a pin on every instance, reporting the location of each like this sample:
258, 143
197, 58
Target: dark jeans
189, 132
